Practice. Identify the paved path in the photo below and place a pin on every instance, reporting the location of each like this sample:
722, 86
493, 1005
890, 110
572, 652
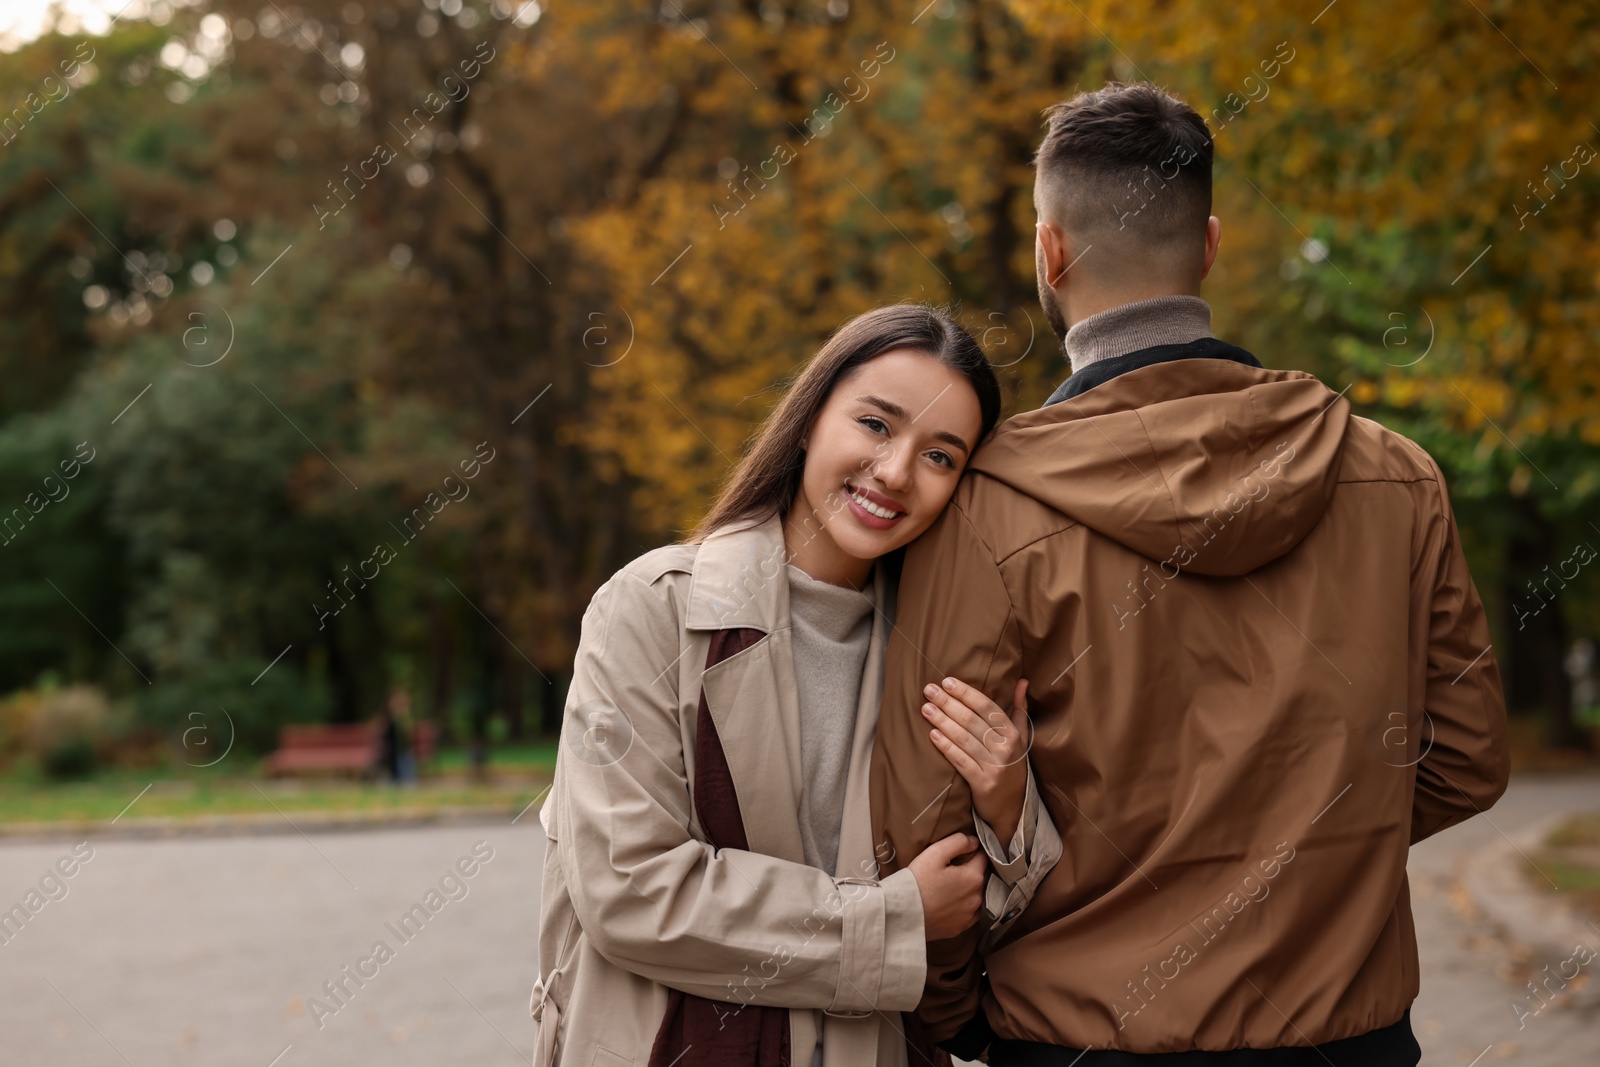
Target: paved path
1470, 978
211, 950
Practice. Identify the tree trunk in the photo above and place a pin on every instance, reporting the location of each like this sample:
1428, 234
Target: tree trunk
346, 699
441, 653
552, 700
511, 693
1536, 678
483, 706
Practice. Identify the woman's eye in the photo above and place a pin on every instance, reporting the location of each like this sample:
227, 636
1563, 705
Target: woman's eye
875, 424
942, 458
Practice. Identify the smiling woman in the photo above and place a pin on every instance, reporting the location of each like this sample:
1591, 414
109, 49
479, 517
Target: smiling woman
889, 445
865, 448
743, 670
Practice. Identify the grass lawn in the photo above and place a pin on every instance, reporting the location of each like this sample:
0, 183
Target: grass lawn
1578, 831
516, 776
535, 755
1571, 859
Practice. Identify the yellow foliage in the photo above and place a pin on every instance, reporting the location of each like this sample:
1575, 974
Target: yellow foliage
1474, 123
748, 229
806, 169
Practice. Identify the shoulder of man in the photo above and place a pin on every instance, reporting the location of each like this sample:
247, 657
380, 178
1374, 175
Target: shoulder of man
1004, 518
1375, 453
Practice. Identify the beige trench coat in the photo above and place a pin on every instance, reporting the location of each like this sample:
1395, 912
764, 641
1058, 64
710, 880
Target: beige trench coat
635, 900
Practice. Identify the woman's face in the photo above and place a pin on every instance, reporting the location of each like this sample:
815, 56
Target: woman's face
882, 459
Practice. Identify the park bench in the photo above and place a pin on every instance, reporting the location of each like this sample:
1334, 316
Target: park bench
320, 748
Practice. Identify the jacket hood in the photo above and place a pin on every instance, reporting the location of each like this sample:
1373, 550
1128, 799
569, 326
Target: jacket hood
1215, 466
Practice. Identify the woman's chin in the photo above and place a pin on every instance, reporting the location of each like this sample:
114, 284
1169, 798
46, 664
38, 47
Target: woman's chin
868, 544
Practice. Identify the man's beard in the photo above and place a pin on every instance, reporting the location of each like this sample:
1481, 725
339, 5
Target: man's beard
1051, 306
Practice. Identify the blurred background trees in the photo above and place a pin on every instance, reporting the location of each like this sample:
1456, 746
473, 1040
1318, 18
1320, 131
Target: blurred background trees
284, 268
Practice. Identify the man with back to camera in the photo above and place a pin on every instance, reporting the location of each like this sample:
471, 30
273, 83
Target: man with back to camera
1258, 667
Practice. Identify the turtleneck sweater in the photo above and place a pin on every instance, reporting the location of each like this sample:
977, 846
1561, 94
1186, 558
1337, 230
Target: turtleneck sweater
1161, 320
831, 627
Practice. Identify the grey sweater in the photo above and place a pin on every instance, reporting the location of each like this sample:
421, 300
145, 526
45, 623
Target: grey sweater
1161, 320
831, 627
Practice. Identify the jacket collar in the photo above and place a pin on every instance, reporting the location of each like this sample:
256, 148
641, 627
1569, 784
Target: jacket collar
1102, 371
740, 580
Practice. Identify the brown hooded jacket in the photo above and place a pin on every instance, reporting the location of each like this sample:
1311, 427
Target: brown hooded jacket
1259, 670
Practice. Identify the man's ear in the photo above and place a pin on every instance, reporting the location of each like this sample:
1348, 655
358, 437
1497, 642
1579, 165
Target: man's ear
1213, 239
1057, 249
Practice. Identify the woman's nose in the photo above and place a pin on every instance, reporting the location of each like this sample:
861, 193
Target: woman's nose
894, 471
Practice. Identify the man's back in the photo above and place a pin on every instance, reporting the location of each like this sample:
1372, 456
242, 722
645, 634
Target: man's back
1258, 671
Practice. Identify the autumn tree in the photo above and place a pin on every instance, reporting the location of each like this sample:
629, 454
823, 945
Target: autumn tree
789, 165
1435, 161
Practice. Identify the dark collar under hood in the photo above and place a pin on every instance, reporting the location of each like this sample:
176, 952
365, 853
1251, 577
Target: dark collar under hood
1207, 465
1103, 370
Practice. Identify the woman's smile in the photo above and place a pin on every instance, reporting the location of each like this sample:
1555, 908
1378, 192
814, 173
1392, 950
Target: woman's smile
873, 509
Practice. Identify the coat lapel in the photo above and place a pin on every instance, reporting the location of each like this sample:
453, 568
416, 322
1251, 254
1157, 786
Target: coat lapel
741, 581
758, 721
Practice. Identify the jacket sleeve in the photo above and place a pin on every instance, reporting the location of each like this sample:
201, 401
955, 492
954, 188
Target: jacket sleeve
655, 899
1466, 760
953, 619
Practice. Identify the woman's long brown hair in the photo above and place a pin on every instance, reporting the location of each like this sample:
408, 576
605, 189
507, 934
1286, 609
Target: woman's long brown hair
767, 479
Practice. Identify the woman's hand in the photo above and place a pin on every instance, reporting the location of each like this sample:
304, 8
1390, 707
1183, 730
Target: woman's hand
950, 876
989, 750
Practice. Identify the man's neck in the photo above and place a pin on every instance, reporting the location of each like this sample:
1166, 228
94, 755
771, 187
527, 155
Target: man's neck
1162, 320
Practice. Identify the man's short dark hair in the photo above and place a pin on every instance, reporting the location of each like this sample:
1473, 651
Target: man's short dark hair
1127, 160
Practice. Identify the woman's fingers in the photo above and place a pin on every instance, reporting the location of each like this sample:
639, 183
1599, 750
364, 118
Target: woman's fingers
964, 764
1004, 732
982, 715
957, 706
1000, 734
948, 850
968, 696
960, 723
954, 732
